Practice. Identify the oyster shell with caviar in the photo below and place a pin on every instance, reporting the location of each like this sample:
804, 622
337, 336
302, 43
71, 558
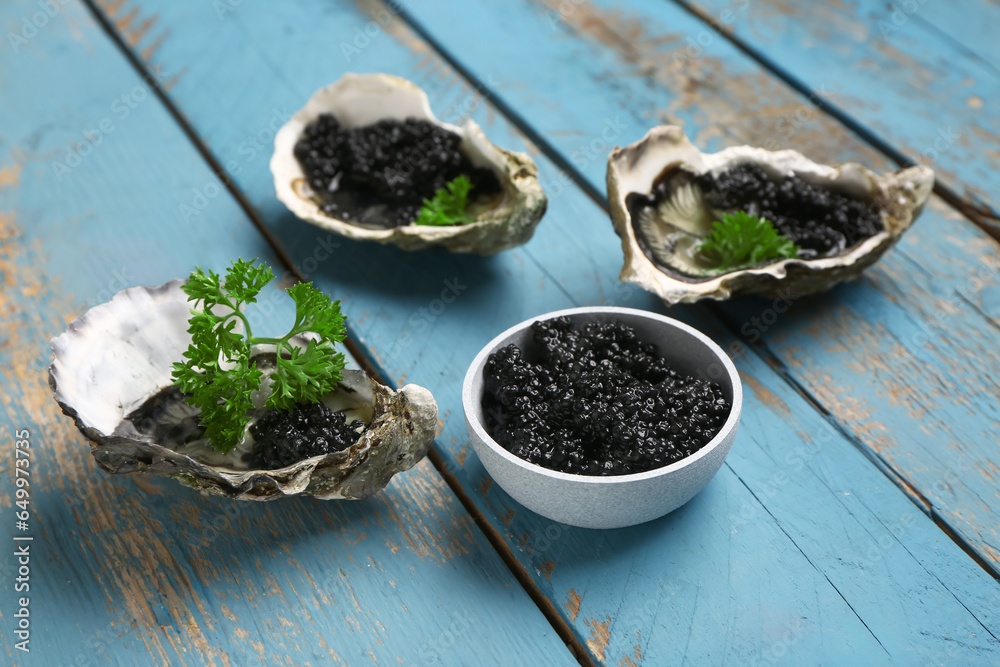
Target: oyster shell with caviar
112, 374
503, 220
663, 208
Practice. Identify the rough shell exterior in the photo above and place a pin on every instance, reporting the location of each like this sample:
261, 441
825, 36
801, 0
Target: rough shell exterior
899, 197
116, 356
357, 100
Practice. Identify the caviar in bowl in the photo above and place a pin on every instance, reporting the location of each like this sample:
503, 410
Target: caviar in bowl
608, 494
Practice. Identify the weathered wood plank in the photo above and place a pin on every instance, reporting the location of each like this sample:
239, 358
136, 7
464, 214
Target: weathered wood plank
967, 24
934, 297
748, 571
128, 571
922, 76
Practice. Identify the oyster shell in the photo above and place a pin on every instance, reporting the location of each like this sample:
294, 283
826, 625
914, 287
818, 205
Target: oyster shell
659, 249
357, 100
112, 374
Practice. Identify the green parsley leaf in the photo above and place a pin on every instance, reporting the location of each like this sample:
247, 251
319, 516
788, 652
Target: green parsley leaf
310, 374
218, 373
448, 205
741, 239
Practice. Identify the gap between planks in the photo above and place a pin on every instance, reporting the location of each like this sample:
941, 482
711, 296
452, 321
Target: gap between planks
359, 352
981, 216
762, 350
911, 492
977, 212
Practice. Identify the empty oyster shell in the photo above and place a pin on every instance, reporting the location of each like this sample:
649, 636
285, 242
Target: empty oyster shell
357, 100
660, 246
112, 374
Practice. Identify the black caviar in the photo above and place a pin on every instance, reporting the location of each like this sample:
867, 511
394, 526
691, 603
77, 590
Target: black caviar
596, 401
283, 438
821, 222
380, 174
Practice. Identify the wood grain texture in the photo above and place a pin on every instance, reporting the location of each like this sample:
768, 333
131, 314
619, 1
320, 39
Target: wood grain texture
141, 571
799, 548
902, 358
922, 76
966, 24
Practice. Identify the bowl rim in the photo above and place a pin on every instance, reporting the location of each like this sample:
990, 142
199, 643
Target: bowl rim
728, 427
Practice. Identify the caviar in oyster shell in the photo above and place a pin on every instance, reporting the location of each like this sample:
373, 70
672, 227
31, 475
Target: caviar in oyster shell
311, 429
596, 401
379, 175
821, 222
673, 220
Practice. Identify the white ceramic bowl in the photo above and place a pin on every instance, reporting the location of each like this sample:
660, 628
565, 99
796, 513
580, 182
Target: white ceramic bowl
620, 500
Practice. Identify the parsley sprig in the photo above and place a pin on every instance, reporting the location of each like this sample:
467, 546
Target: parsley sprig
448, 205
741, 239
218, 373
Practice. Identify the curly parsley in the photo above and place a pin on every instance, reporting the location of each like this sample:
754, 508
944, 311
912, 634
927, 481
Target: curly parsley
741, 239
448, 205
218, 373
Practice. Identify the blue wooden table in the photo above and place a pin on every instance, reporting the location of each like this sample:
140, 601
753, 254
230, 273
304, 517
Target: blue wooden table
857, 519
